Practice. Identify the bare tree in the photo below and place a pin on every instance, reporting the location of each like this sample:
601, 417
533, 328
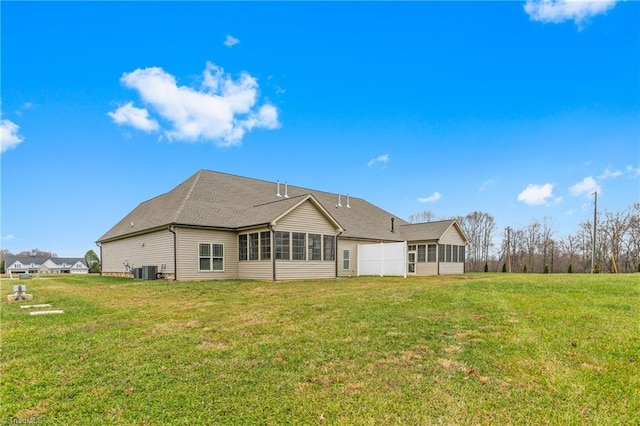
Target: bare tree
479, 228
424, 216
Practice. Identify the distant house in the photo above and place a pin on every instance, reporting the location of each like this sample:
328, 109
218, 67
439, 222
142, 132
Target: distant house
221, 226
46, 265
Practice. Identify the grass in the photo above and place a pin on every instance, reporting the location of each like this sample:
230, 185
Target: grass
472, 349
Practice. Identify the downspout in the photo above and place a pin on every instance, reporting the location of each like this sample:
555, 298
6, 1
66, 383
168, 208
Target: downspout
100, 263
175, 252
438, 256
336, 253
273, 252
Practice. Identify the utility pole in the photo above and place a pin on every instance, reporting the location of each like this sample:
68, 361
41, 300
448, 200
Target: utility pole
509, 249
595, 220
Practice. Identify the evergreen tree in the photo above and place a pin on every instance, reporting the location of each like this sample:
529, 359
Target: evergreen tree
546, 268
93, 261
486, 266
524, 269
570, 270
504, 267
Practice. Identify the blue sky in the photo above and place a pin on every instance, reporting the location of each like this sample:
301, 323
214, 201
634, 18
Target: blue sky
518, 109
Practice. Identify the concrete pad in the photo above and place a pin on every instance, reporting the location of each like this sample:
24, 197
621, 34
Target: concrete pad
45, 312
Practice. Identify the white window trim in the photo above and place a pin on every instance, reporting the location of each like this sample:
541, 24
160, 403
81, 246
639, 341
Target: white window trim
211, 257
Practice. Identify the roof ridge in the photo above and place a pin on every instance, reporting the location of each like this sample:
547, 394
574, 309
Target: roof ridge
426, 223
186, 197
308, 190
283, 199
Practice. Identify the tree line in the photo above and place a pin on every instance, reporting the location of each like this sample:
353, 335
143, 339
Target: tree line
537, 247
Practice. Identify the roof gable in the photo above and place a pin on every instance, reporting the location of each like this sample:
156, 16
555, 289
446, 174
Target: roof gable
430, 230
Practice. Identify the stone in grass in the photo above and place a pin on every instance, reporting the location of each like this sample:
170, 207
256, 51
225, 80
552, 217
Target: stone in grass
46, 312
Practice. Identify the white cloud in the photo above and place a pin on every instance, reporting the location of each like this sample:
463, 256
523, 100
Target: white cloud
431, 198
586, 187
9, 137
537, 194
9, 237
380, 159
557, 11
223, 110
134, 117
486, 185
610, 174
231, 41
633, 171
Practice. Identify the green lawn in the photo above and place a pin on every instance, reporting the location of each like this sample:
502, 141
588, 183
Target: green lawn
473, 349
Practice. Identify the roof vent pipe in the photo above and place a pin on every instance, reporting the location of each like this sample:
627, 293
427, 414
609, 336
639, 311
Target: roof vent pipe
348, 206
392, 219
286, 190
339, 201
278, 192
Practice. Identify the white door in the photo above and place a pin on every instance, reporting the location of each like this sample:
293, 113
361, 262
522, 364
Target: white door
411, 266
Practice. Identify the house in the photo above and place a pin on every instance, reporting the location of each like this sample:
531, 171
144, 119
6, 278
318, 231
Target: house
46, 265
222, 226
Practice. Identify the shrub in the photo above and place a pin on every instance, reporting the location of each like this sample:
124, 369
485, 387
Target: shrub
546, 268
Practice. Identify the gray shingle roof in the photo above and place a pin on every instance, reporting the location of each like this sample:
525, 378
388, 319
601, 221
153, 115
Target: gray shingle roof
39, 260
428, 230
220, 200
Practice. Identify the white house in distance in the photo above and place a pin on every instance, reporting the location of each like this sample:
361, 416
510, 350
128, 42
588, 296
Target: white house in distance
46, 265
221, 226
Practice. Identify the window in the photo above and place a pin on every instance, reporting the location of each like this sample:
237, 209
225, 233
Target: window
422, 253
218, 257
265, 245
282, 245
431, 253
461, 254
315, 248
253, 246
454, 254
345, 259
441, 252
411, 247
211, 257
329, 252
242, 247
298, 246
205, 257
448, 253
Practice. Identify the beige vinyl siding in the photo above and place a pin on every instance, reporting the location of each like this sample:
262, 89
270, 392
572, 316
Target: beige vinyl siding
310, 270
152, 249
306, 218
352, 246
255, 270
453, 237
451, 268
188, 253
